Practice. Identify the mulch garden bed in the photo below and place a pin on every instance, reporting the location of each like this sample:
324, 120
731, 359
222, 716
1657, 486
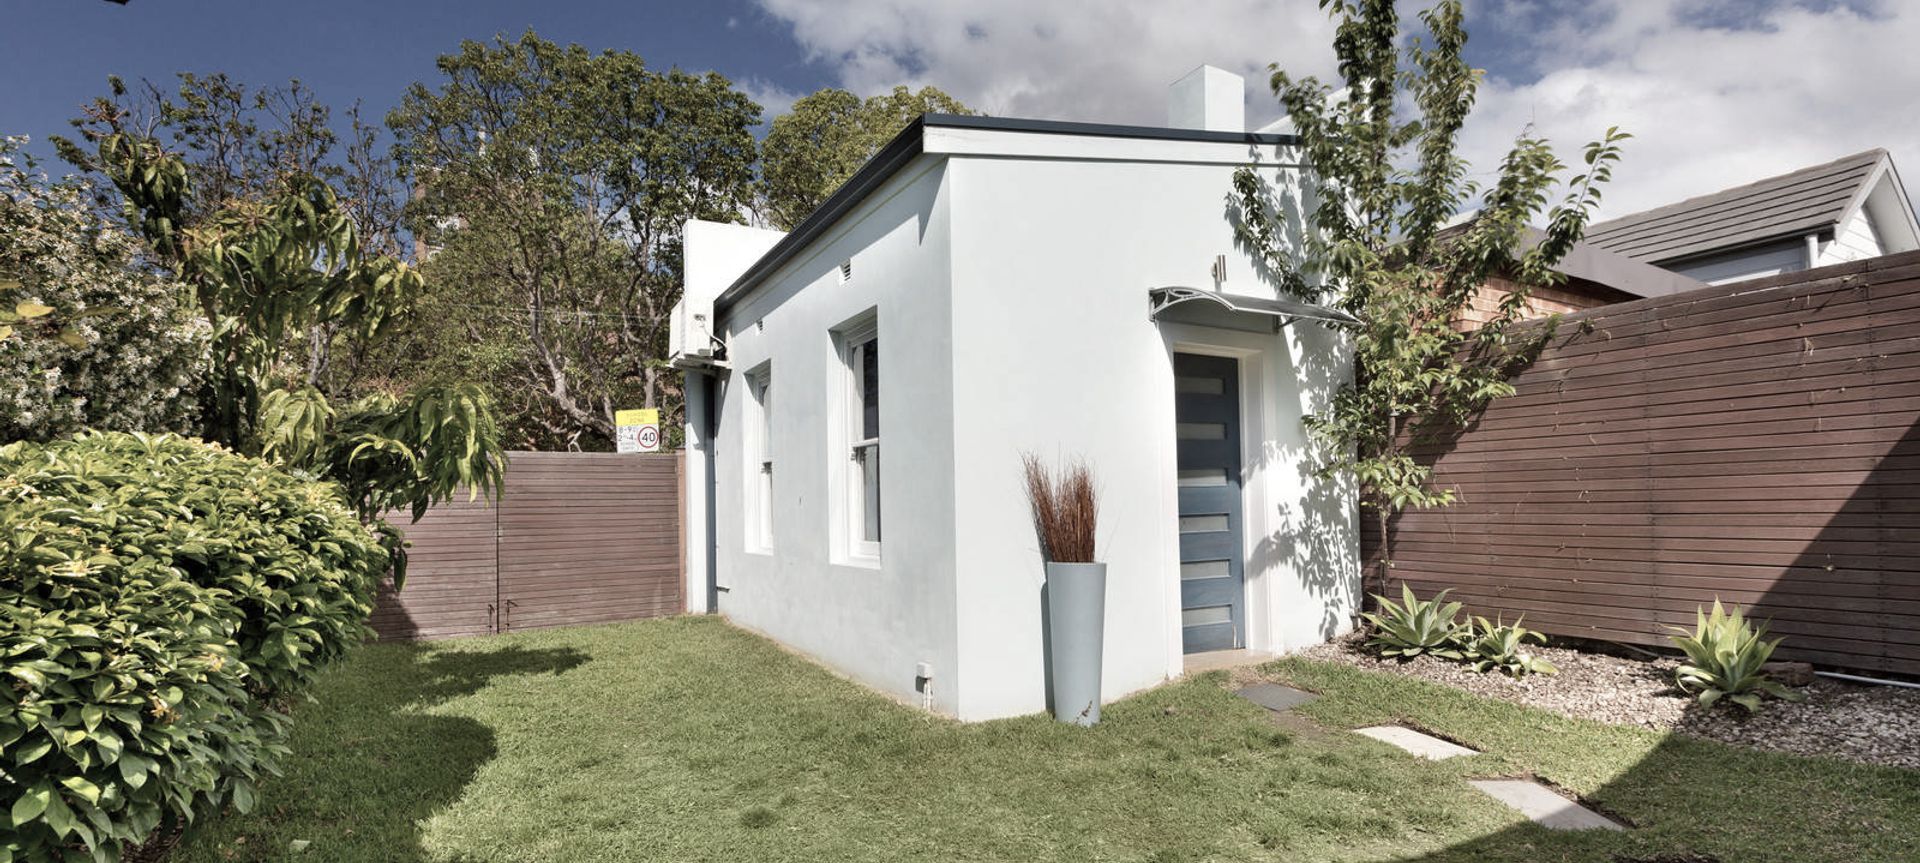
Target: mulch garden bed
1863, 723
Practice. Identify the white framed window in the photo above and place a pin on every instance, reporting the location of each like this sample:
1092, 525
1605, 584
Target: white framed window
860, 352
759, 467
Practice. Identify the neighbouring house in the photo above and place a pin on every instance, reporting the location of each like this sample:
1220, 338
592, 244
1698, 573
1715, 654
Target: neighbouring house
861, 390
1844, 210
1592, 277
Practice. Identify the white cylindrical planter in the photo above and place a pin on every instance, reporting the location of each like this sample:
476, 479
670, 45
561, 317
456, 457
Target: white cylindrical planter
1076, 625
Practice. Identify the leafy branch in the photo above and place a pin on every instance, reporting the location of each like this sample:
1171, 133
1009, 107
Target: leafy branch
267, 271
1380, 242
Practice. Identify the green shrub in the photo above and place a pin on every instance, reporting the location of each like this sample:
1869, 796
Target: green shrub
1493, 644
1725, 653
162, 602
1414, 627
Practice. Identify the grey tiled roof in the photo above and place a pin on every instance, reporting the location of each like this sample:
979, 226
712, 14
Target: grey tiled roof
1790, 205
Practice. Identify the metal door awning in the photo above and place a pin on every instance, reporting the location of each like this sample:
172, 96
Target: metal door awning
1235, 311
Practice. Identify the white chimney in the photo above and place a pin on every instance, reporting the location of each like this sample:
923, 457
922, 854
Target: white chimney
1208, 98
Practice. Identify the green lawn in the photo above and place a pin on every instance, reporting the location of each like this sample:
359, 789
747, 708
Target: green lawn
686, 740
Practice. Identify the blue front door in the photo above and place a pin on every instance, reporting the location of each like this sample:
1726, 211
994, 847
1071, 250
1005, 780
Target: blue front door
1206, 412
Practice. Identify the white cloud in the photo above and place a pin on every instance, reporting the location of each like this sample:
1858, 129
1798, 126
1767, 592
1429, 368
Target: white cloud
1059, 59
773, 99
1716, 93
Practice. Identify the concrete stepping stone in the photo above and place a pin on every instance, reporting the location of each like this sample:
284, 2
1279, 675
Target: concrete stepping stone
1422, 745
1275, 697
1543, 805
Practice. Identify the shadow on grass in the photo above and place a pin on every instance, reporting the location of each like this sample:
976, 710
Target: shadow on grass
1671, 818
1684, 799
372, 762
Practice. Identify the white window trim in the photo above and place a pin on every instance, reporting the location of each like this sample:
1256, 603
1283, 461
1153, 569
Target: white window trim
853, 409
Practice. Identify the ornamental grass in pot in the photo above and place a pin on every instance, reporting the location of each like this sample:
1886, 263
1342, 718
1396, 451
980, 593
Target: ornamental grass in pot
1064, 517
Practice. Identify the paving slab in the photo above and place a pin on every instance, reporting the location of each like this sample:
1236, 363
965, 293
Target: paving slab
1275, 697
1423, 745
1543, 805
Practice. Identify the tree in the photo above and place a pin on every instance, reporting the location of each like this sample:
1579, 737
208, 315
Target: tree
1385, 179
101, 342
813, 148
556, 183
240, 143
280, 258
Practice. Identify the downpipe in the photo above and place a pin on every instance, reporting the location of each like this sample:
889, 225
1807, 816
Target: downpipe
1855, 678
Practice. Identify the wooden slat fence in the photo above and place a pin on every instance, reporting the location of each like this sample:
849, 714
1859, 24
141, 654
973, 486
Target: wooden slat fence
453, 569
1756, 442
575, 538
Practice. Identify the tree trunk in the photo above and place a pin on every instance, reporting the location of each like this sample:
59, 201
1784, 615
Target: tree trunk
1383, 516
1385, 563
319, 345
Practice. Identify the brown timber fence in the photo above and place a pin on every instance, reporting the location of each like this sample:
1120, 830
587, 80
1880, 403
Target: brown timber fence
1756, 442
574, 538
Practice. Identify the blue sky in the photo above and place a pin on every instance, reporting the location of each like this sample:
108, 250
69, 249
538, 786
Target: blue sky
1717, 92
370, 51
356, 49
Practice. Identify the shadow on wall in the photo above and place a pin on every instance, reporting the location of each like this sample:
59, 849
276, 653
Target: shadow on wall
391, 621
1288, 204
1317, 541
452, 573
370, 764
1852, 596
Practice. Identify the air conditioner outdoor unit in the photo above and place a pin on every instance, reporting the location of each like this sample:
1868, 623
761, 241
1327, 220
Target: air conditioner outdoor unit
714, 256
690, 339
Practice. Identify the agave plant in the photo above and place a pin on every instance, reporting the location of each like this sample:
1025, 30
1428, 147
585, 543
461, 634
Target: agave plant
1725, 654
1412, 627
1494, 644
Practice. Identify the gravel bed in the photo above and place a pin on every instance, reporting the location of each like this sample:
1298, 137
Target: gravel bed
1868, 724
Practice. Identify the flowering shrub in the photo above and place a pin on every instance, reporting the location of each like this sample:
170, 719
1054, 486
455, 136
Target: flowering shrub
162, 602
117, 352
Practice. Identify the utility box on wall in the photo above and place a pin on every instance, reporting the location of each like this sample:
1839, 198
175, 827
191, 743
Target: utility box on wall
715, 254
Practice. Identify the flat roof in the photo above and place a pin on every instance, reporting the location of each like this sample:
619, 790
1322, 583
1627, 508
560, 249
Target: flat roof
911, 142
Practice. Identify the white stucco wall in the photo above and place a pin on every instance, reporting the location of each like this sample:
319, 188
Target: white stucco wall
874, 621
1009, 277
715, 255
1056, 354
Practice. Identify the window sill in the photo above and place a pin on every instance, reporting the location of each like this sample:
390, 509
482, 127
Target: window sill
860, 561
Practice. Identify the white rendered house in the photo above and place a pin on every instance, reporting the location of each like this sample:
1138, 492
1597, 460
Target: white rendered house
860, 392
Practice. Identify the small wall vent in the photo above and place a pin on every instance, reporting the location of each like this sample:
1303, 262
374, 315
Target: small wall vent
846, 271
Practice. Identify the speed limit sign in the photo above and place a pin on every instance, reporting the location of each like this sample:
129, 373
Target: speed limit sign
637, 430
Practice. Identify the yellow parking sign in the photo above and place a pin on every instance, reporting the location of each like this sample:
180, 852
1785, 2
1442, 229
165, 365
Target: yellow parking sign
637, 430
